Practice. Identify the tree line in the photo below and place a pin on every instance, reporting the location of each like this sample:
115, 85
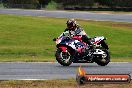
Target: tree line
68, 3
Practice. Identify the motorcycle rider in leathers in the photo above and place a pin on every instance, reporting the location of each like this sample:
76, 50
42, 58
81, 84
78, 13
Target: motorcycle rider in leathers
75, 30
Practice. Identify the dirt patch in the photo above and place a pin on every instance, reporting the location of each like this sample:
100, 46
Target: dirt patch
122, 25
58, 84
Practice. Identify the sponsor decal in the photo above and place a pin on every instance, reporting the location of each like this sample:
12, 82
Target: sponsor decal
83, 78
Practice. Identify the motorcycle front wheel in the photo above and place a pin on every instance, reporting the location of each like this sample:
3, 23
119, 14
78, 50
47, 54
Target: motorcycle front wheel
64, 58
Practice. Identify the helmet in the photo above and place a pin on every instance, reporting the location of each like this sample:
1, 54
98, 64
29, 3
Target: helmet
71, 24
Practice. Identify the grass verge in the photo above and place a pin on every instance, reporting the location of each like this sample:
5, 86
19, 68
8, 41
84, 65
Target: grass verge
58, 84
27, 38
113, 12
104, 12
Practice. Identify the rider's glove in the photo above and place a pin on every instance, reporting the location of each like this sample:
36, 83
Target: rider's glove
54, 39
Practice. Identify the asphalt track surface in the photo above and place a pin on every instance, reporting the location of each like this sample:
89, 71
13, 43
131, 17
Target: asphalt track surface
49, 70
66, 14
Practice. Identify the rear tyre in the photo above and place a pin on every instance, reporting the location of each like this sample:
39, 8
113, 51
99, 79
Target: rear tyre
64, 58
104, 59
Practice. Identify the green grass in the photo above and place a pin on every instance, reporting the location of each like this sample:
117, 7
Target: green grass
27, 38
58, 84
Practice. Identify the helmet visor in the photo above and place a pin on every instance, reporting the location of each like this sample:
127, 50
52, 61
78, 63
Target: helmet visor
69, 25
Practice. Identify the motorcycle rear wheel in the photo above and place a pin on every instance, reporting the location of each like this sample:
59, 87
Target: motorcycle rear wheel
103, 60
64, 58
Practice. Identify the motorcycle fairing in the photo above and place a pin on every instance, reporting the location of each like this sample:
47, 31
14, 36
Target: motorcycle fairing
74, 44
97, 40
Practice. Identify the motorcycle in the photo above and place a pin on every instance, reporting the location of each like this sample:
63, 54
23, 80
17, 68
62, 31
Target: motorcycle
73, 50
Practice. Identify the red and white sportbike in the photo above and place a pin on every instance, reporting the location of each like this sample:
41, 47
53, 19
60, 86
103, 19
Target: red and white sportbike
73, 50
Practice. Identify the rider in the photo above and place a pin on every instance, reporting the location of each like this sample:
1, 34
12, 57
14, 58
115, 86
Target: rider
75, 30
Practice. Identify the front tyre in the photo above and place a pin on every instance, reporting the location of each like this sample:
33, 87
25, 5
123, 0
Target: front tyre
103, 59
64, 58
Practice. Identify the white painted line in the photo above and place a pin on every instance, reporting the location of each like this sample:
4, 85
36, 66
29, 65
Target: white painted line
31, 79
28, 62
120, 62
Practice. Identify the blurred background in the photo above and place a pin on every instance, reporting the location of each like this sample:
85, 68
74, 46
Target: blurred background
97, 5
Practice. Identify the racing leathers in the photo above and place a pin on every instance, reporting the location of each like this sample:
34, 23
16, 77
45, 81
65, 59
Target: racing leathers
78, 31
